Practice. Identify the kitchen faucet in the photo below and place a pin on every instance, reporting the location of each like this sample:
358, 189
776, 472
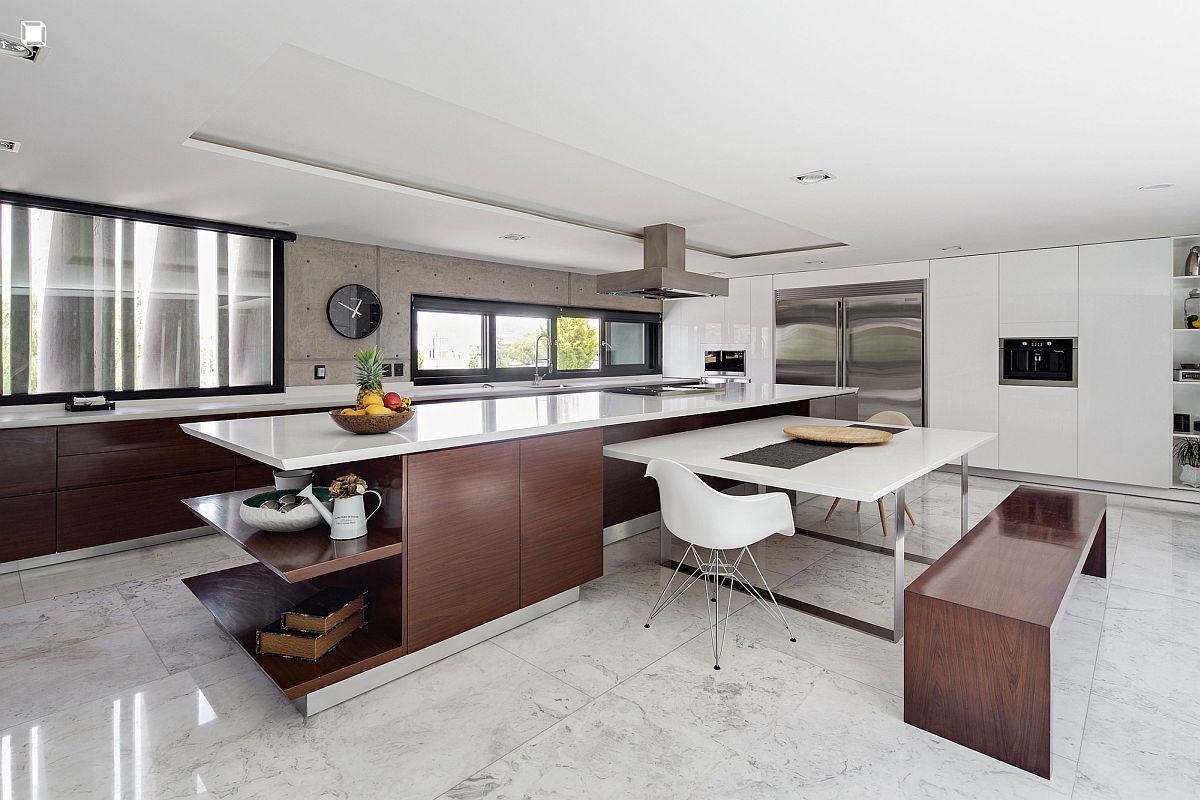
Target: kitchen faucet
537, 349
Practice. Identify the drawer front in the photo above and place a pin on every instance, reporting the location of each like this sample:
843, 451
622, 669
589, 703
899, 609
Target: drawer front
28, 458
254, 475
29, 530
117, 513
106, 437
124, 466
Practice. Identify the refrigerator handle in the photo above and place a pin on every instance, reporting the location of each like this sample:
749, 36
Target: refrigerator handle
840, 326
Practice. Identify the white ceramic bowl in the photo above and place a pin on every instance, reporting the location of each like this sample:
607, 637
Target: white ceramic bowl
300, 518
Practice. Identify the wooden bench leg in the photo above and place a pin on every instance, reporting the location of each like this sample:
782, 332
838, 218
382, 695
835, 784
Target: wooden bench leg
979, 679
1096, 563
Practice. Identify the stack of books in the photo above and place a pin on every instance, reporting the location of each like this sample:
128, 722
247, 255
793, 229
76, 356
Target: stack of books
311, 628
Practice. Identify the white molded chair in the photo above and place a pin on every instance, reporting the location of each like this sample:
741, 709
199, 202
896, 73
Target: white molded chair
707, 519
900, 420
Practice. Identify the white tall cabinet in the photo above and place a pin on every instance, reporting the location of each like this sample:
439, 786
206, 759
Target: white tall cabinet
1039, 292
962, 324
1125, 362
745, 320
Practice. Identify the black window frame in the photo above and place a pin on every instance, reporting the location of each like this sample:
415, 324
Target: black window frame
490, 309
278, 299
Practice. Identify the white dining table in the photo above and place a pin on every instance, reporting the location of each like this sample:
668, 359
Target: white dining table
863, 473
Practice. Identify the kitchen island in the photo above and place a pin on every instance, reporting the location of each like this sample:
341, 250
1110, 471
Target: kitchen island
494, 513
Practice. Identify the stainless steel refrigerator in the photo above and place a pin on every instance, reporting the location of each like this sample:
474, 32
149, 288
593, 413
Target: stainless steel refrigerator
868, 335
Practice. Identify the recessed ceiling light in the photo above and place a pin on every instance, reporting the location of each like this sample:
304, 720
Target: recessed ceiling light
951, 248
514, 237
718, 273
278, 223
814, 262
1152, 186
9, 146
817, 176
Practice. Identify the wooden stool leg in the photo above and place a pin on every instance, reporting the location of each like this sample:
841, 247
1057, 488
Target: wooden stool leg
833, 508
857, 506
882, 515
908, 512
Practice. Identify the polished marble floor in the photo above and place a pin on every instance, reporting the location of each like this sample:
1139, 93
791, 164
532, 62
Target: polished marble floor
114, 683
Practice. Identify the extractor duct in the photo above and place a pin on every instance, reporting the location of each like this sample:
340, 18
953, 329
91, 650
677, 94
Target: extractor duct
663, 274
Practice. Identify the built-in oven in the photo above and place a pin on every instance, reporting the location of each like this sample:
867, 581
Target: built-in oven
725, 363
1039, 362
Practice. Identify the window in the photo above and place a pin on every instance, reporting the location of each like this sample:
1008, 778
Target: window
507, 341
96, 302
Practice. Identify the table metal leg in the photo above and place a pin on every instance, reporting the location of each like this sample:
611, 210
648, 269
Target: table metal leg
898, 608
962, 479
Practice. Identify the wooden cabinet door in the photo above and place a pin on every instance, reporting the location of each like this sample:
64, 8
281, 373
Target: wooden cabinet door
562, 513
461, 539
28, 458
29, 530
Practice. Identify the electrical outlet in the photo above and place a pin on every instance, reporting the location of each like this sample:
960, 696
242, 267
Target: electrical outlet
387, 369
398, 369
319, 372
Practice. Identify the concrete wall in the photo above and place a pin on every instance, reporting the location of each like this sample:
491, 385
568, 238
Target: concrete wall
314, 268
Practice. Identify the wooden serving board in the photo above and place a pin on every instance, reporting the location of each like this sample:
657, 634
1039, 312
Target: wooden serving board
838, 434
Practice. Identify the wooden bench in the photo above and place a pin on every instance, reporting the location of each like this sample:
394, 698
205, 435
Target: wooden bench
977, 649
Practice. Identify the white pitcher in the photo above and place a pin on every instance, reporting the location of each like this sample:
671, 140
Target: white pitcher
349, 517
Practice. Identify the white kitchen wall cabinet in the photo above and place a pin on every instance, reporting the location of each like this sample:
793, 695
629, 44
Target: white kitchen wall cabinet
1039, 430
761, 358
1039, 292
961, 340
679, 339
736, 328
1125, 362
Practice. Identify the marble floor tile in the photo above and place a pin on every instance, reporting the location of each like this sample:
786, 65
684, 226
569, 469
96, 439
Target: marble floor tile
10, 590
59, 677
1088, 598
39, 627
852, 582
1159, 552
1129, 753
187, 557
432, 727
598, 642
788, 555
1073, 649
837, 648
180, 629
1149, 655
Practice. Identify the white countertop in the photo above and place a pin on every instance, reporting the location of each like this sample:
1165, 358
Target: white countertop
863, 473
312, 440
52, 414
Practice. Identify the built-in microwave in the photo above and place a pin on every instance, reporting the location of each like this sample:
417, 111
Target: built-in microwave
1039, 362
725, 363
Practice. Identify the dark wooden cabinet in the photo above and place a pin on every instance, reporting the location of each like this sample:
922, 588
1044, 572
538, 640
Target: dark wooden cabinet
106, 437
29, 530
125, 466
106, 514
462, 539
562, 513
28, 458
254, 475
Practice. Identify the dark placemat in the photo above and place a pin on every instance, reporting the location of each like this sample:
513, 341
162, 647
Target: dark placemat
789, 454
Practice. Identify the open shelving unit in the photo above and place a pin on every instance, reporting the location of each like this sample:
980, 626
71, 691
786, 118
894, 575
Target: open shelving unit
292, 567
1185, 348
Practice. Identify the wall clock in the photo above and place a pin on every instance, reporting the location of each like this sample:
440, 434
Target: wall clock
354, 311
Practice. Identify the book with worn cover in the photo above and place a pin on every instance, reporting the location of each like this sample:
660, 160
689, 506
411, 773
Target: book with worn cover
325, 610
305, 645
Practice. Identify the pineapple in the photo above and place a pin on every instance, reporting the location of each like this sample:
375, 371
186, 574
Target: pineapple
369, 368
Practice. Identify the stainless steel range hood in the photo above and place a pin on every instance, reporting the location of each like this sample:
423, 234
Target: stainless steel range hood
663, 274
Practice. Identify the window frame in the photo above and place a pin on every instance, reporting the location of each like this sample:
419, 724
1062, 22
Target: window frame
278, 299
490, 309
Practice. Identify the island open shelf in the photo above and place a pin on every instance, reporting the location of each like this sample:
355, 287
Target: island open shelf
245, 599
297, 556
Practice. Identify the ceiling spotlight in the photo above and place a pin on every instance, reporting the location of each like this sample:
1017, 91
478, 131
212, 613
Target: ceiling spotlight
12, 46
814, 262
951, 248
9, 146
818, 176
718, 273
278, 223
514, 237
1152, 186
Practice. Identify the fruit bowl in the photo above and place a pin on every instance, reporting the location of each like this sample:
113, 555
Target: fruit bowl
371, 423
300, 518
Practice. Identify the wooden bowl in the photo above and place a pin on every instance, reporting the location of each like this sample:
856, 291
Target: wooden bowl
838, 434
371, 423
300, 518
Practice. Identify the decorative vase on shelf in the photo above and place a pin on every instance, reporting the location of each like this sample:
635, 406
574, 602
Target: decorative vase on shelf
1191, 309
1191, 267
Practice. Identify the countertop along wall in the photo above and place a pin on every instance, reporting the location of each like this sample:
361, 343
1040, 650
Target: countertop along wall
314, 268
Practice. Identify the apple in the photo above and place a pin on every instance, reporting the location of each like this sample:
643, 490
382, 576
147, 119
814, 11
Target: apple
392, 400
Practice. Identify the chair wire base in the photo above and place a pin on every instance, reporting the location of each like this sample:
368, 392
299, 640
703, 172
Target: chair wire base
713, 572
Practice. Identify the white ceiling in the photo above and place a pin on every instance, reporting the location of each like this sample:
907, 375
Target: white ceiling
996, 127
